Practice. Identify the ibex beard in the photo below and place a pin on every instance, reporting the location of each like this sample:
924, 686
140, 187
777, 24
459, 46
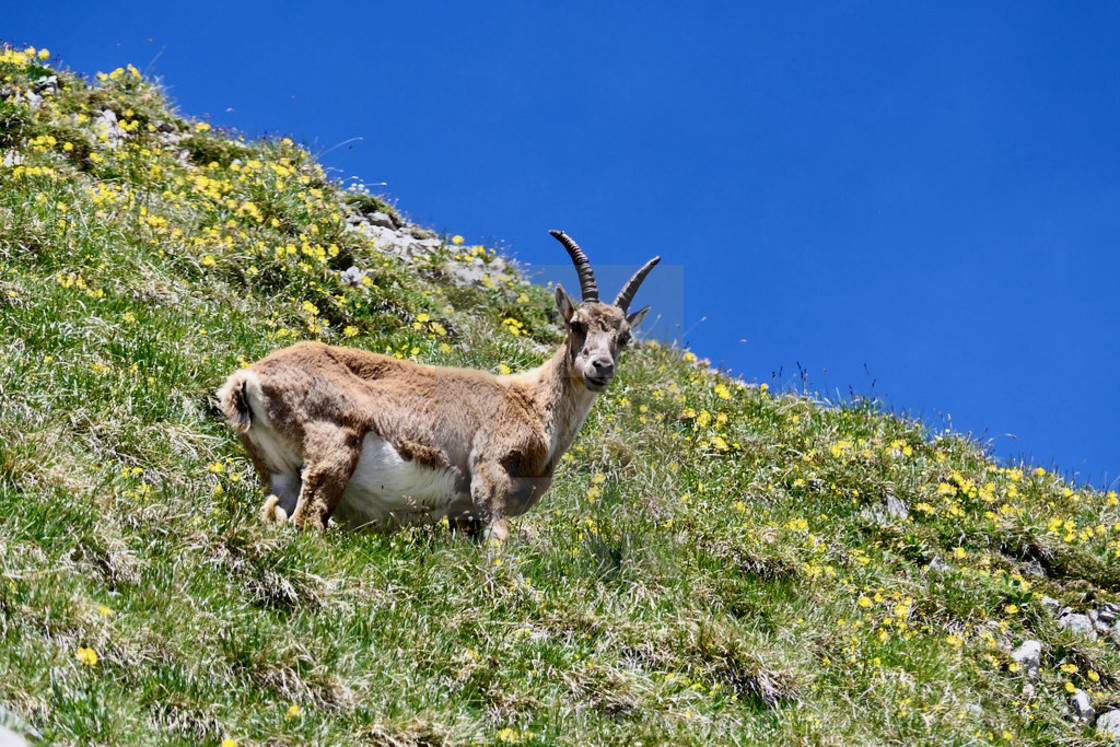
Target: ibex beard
371, 440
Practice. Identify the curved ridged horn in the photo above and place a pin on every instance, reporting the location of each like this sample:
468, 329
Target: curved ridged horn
626, 295
589, 291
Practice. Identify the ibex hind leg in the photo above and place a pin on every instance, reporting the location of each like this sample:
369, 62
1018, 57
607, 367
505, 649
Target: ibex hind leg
282, 497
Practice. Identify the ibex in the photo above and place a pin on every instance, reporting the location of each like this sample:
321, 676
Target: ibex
373, 440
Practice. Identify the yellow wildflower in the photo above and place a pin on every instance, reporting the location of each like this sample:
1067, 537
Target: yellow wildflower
87, 656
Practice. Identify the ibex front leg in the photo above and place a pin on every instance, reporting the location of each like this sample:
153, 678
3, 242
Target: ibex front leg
490, 486
330, 456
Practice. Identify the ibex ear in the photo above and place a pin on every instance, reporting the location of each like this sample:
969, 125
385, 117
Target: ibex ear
565, 304
636, 318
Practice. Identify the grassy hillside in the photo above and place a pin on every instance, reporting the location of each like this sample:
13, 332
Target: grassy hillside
716, 562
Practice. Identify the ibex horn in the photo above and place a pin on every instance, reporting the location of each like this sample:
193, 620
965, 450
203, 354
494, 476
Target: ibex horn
626, 295
588, 289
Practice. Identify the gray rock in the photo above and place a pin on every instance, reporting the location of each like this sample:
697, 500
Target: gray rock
384, 239
43, 85
167, 133
938, 565
382, 219
1034, 568
13, 158
1107, 614
1099, 625
419, 232
1079, 706
12, 729
9, 738
105, 124
1029, 655
469, 275
896, 508
34, 100
1052, 604
1078, 623
1109, 723
354, 275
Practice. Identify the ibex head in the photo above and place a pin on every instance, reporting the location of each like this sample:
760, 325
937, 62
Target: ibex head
597, 331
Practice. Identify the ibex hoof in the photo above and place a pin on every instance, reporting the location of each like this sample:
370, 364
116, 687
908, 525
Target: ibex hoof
497, 531
272, 512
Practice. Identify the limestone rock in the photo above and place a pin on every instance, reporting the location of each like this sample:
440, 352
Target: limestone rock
9, 738
48, 84
1078, 623
1079, 706
1109, 723
105, 125
1108, 613
382, 219
353, 275
1029, 655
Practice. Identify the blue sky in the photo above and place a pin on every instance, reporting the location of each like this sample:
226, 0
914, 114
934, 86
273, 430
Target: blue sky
917, 202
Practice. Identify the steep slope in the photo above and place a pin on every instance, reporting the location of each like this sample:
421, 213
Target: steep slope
716, 562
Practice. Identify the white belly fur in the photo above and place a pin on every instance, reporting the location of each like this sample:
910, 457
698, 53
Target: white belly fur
387, 488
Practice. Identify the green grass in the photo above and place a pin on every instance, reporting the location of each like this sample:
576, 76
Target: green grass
714, 563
